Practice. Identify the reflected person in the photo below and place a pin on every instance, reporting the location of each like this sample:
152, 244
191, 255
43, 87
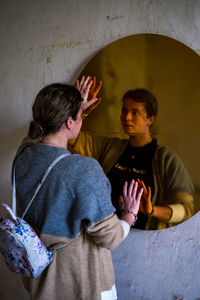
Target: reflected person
168, 190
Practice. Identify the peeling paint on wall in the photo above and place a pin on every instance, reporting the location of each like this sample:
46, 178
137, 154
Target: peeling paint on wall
48, 59
114, 17
69, 44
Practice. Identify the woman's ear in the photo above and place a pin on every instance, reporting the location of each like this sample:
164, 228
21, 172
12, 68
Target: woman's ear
151, 120
69, 123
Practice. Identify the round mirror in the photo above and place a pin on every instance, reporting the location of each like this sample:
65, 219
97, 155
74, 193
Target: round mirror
168, 69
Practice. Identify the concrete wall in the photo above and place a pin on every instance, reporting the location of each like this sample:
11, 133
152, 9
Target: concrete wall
44, 41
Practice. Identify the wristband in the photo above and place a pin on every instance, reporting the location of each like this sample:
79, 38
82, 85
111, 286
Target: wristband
151, 214
125, 212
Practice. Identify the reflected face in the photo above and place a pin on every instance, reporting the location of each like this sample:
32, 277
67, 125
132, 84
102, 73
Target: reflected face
134, 118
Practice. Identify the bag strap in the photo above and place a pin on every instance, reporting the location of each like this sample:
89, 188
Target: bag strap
14, 194
38, 186
65, 244
36, 191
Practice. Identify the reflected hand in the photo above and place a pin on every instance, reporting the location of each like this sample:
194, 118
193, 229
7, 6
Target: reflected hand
94, 89
131, 197
145, 204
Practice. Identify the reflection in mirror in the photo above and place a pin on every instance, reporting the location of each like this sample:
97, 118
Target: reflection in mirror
170, 71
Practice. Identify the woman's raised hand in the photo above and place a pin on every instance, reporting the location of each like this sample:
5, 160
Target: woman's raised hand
89, 91
132, 194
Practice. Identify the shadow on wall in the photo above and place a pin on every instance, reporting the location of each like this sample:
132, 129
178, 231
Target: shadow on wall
9, 145
13, 290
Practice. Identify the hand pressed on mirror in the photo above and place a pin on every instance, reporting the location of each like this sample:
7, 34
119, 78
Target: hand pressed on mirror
89, 91
94, 90
162, 213
131, 197
130, 201
145, 204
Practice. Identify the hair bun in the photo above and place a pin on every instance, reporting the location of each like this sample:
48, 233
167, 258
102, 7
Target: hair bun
35, 130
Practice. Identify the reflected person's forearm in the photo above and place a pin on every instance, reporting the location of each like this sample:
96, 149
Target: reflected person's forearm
162, 213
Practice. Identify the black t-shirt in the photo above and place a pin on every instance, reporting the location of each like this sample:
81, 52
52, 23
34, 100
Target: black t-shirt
134, 163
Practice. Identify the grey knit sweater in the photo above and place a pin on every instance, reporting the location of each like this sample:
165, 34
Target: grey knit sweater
76, 190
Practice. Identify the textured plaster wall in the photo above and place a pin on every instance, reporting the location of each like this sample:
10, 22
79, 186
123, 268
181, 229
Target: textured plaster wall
46, 40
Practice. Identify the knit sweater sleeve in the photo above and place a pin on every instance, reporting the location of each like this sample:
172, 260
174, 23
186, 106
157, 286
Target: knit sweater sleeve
91, 193
108, 233
177, 187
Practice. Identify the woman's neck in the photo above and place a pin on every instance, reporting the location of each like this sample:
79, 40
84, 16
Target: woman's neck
55, 140
139, 140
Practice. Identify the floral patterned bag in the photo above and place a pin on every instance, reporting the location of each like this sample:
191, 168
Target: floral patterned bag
22, 250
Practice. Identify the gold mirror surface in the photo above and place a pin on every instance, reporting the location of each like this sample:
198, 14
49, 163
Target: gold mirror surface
171, 71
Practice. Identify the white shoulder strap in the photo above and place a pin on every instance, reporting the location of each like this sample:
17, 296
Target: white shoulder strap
37, 188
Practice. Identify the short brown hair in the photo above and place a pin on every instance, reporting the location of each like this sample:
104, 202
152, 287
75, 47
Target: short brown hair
145, 97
